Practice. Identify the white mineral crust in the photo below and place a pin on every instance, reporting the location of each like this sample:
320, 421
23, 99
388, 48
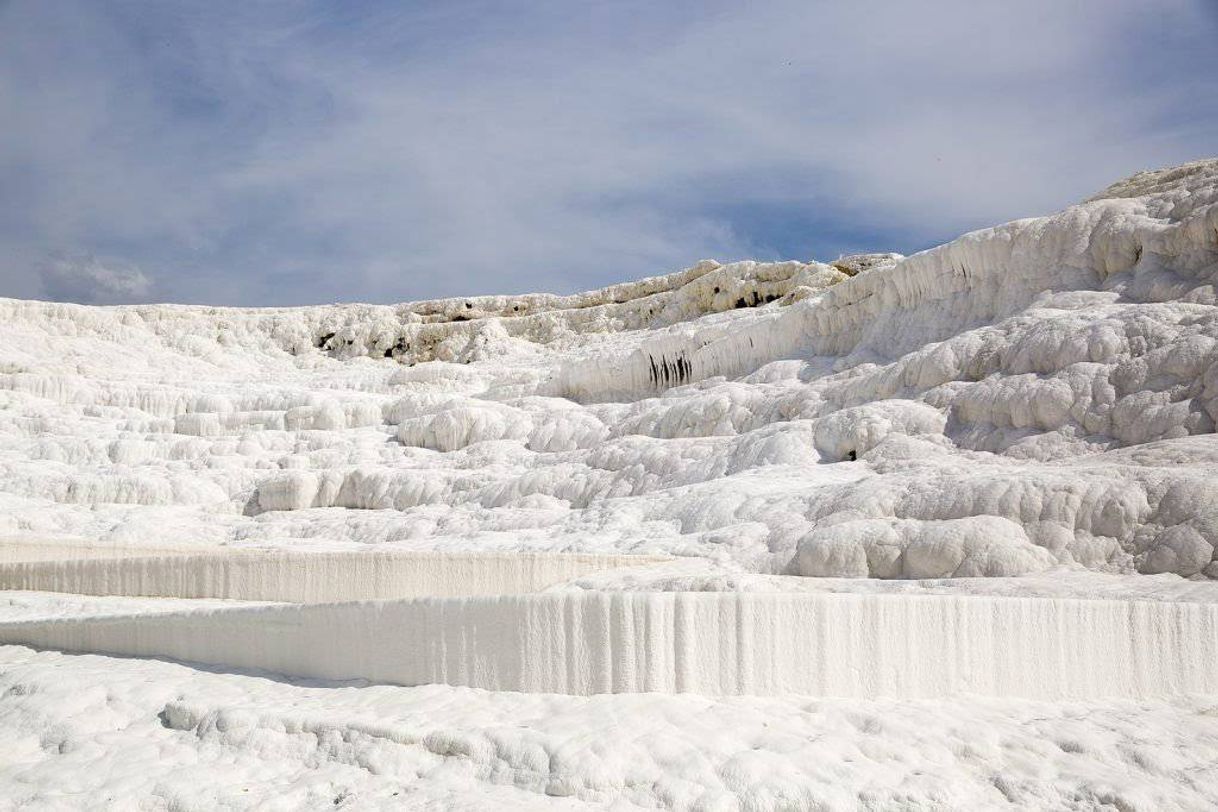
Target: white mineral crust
968, 498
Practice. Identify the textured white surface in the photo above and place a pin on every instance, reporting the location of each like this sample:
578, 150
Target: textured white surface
701, 575
97, 732
22, 605
710, 643
1042, 392
271, 575
1016, 420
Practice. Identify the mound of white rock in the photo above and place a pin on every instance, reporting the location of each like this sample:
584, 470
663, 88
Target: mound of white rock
975, 546
1038, 394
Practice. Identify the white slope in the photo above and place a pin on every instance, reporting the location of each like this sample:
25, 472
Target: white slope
1039, 393
99, 733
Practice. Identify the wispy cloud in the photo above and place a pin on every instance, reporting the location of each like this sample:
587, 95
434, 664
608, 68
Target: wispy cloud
86, 279
282, 153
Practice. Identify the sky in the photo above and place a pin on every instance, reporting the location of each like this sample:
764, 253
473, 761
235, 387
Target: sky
280, 153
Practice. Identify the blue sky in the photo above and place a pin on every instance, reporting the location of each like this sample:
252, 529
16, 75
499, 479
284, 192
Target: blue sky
299, 152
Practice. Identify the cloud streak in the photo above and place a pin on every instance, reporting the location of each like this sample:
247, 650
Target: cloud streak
85, 279
288, 153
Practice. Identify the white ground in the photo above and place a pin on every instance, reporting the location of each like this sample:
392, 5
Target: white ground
1028, 410
88, 731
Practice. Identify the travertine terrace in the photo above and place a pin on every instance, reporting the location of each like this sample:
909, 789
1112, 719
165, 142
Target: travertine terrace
983, 478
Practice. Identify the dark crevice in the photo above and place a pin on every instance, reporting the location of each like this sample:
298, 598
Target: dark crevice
400, 346
666, 372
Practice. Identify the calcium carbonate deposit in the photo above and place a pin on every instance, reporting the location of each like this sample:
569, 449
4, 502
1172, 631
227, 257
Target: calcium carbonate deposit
958, 512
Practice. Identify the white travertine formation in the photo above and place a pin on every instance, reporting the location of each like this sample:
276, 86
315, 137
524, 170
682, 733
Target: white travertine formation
707, 643
1041, 393
997, 457
150, 733
315, 577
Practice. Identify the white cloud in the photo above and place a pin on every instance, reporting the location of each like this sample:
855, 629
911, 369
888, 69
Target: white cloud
458, 148
85, 279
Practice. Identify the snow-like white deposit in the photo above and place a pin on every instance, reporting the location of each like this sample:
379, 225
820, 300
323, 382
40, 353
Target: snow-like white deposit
318, 577
1039, 393
1001, 450
587, 642
97, 732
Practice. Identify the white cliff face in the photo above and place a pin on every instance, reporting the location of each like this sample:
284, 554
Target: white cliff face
1037, 394
709, 643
